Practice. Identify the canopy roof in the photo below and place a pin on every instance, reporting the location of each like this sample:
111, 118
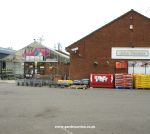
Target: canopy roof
7, 50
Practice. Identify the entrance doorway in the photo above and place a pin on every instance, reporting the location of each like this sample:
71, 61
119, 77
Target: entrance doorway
138, 67
29, 69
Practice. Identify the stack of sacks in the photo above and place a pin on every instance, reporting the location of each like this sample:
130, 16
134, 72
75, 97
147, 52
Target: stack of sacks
128, 81
124, 81
119, 80
142, 81
65, 83
146, 81
138, 80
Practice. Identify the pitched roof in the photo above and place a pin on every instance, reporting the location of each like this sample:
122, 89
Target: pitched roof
19, 54
131, 11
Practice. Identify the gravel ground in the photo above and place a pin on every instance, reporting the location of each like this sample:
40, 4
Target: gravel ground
38, 110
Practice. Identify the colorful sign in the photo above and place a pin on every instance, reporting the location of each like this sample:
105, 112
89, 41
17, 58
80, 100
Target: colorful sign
101, 80
121, 64
40, 52
35, 52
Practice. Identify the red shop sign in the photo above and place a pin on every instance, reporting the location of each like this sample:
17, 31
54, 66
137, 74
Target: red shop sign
121, 64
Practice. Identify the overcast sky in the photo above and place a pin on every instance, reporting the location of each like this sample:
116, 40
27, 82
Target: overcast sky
59, 21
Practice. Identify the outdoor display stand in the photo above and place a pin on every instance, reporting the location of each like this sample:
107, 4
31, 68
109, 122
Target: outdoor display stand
102, 80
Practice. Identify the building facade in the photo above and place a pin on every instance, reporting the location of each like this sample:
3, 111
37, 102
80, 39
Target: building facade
3, 53
37, 60
121, 46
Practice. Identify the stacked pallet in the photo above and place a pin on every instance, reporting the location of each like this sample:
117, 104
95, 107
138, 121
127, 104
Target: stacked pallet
80, 84
78, 87
65, 82
142, 81
119, 80
128, 81
123, 81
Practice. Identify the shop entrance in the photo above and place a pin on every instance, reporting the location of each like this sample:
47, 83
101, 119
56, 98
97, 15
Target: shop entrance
138, 67
41, 68
29, 69
32, 69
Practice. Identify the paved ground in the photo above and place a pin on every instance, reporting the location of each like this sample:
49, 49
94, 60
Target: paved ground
35, 110
7, 81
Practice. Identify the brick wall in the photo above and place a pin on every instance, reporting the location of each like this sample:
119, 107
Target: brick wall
96, 47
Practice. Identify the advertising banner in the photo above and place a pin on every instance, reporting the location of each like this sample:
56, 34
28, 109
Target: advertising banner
35, 52
102, 80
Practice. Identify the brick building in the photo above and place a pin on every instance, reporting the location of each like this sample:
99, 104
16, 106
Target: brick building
121, 46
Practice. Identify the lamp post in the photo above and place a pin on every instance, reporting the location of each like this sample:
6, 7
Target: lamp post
145, 65
133, 65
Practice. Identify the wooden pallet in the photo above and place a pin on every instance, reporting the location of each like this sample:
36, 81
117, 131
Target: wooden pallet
78, 87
